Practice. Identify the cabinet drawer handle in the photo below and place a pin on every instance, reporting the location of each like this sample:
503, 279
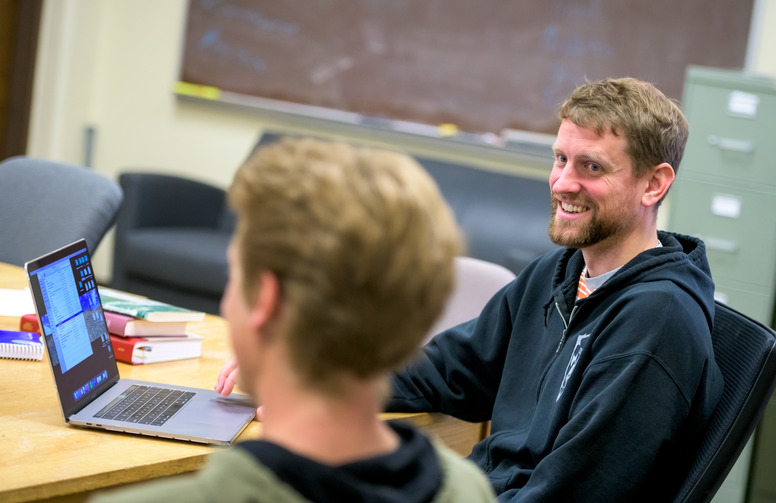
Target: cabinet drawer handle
730, 144
724, 245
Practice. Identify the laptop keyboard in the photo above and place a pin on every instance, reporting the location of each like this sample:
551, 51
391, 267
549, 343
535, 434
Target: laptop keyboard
145, 405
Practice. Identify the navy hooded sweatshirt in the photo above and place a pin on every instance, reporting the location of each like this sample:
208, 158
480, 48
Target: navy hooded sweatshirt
599, 399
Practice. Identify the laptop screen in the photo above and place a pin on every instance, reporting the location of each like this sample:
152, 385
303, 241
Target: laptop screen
73, 325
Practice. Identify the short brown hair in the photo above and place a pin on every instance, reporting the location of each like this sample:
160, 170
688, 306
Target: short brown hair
654, 126
362, 243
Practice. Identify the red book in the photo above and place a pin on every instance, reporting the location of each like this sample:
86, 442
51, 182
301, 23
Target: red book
29, 323
127, 326
141, 350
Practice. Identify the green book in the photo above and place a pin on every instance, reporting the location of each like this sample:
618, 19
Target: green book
137, 306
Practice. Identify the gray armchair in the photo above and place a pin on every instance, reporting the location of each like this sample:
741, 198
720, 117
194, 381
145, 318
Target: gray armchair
171, 239
45, 205
172, 233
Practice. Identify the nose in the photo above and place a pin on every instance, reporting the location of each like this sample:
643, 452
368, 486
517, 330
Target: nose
563, 180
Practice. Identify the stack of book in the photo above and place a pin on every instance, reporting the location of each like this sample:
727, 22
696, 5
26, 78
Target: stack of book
148, 331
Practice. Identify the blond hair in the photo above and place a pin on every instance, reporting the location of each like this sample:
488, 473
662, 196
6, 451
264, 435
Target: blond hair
362, 243
654, 126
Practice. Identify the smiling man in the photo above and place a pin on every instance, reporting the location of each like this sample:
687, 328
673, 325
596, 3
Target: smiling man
595, 366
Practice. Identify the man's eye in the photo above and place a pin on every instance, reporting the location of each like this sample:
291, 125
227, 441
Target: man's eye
594, 167
561, 158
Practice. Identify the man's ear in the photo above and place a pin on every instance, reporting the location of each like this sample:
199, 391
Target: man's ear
658, 184
266, 306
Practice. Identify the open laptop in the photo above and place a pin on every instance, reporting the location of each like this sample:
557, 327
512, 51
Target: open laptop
86, 374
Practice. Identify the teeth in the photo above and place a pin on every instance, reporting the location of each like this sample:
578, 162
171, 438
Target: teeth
570, 208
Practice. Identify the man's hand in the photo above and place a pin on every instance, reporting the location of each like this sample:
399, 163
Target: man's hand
227, 377
226, 380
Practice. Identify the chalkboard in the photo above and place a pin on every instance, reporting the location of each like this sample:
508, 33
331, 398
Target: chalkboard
483, 65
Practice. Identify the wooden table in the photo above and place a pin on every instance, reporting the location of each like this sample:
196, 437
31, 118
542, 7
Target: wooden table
44, 458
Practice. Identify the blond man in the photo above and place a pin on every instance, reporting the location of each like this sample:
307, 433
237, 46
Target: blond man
341, 260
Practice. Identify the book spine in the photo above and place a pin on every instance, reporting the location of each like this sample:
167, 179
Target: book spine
117, 323
124, 349
121, 308
29, 323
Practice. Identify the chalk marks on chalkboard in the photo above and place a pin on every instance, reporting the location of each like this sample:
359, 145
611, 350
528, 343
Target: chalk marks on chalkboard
575, 44
484, 66
374, 37
219, 44
212, 41
254, 17
325, 73
588, 10
573, 47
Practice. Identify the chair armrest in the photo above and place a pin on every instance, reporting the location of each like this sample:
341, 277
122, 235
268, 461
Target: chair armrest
156, 200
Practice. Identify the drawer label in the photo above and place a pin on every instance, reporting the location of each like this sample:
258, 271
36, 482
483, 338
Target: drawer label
725, 205
741, 104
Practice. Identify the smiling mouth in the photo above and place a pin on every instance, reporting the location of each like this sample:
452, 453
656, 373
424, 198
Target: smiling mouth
572, 208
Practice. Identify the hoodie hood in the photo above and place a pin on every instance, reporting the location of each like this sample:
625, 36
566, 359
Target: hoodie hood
667, 263
412, 474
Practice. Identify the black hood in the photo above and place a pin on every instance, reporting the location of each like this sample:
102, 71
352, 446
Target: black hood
412, 474
667, 263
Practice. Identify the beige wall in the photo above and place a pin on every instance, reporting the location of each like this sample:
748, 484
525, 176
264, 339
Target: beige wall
112, 65
764, 55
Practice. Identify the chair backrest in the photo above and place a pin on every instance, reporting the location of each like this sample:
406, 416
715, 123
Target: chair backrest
745, 351
45, 205
476, 281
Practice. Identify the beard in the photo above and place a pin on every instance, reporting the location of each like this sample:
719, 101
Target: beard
580, 235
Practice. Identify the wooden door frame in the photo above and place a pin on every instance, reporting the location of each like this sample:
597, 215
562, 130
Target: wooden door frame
24, 47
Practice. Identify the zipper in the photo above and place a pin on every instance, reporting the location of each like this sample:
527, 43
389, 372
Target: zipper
565, 325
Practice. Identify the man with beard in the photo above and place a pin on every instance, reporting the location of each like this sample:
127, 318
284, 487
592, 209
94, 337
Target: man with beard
595, 366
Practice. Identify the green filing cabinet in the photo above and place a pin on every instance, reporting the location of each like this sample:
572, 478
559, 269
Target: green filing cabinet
725, 193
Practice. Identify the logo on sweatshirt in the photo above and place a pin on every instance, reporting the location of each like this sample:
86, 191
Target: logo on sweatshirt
575, 355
